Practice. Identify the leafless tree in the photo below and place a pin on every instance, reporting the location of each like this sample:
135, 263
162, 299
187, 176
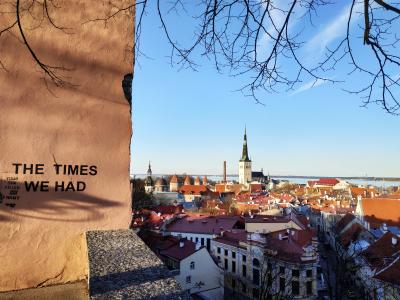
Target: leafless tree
262, 41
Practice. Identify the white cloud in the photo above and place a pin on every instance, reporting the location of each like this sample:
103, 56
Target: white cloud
309, 85
333, 30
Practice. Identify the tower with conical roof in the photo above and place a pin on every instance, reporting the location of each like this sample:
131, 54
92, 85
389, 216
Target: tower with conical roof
148, 182
245, 163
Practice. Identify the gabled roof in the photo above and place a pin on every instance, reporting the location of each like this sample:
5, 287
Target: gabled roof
352, 234
343, 222
383, 249
180, 250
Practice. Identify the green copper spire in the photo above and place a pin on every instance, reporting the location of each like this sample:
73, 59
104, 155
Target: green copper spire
245, 153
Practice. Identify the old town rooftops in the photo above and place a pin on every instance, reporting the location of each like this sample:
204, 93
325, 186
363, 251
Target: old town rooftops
205, 224
289, 245
300, 220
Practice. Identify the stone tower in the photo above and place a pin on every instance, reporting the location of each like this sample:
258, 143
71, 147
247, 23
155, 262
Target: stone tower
245, 163
148, 182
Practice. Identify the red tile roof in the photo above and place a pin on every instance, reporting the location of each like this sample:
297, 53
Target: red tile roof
290, 247
390, 273
378, 253
204, 224
168, 209
193, 189
343, 222
351, 234
181, 250
381, 210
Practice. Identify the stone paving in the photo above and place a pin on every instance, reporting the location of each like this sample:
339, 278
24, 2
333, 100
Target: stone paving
121, 266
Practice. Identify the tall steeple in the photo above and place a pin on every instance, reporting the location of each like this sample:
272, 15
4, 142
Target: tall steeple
245, 152
245, 174
149, 173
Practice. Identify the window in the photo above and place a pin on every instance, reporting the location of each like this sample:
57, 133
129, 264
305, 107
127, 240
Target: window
244, 270
197, 239
309, 273
192, 265
233, 267
295, 288
256, 293
226, 264
282, 283
233, 283
256, 262
218, 250
226, 252
309, 287
244, 258
188, 279
233, 254
295, 273
202, 241
244, 288
208, 244
256, 276
282, 270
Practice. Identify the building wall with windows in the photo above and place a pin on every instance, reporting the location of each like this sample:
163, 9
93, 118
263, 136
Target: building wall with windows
202, 239
246, 271
199, 274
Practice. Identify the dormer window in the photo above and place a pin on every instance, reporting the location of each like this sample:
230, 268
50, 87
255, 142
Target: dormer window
192, 265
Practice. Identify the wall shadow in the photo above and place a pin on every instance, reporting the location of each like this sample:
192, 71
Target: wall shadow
52, 205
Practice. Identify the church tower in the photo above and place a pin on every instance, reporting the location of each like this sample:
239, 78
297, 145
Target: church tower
245, 163
148, 182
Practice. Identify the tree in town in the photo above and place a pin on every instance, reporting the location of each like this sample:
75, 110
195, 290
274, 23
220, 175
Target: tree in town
256, 39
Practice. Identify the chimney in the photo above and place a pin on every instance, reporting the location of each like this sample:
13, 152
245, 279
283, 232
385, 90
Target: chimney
384, 227
394, 241
181, 244
224, 179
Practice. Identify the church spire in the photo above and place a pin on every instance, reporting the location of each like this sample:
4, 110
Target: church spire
245, 153
149, 170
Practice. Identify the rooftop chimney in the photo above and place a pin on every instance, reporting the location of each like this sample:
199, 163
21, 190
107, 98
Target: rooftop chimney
224, 179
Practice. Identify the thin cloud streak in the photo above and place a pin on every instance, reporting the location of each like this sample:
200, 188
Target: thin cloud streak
309, 85
332, 31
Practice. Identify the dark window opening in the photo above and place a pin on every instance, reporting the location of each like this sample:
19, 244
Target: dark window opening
295, 288
295, 273
309, 288
256, 276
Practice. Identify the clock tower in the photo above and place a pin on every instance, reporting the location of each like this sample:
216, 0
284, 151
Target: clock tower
245, 163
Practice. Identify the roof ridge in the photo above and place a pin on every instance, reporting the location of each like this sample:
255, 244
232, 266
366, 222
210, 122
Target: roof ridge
388, 266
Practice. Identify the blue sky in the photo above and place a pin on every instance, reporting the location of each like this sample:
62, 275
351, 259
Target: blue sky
186, 121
